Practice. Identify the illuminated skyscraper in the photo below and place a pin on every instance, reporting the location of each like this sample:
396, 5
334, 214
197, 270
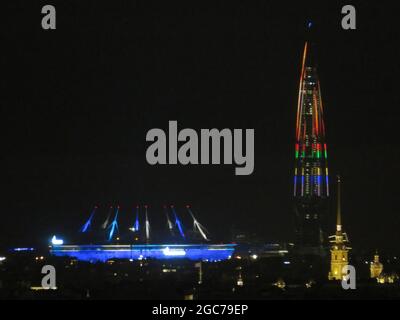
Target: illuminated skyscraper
311, 182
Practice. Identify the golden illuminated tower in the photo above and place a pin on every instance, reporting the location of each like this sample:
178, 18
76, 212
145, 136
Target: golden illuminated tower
339, 250
376, 267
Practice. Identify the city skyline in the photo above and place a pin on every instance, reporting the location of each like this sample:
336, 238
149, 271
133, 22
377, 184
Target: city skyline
75, 131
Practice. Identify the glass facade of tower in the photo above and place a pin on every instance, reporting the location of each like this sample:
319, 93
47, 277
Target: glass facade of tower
311, 180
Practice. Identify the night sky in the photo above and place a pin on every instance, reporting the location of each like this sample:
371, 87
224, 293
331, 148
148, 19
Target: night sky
77, 102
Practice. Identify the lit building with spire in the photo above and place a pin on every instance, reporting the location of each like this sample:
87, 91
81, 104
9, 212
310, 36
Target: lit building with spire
376, 267
339, 249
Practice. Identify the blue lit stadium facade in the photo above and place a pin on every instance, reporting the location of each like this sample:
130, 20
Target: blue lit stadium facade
102, 253
186, 244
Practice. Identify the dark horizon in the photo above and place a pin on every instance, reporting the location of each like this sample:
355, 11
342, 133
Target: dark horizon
78, 102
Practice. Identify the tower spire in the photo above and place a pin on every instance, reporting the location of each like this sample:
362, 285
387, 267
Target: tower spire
339, 209
339, 248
